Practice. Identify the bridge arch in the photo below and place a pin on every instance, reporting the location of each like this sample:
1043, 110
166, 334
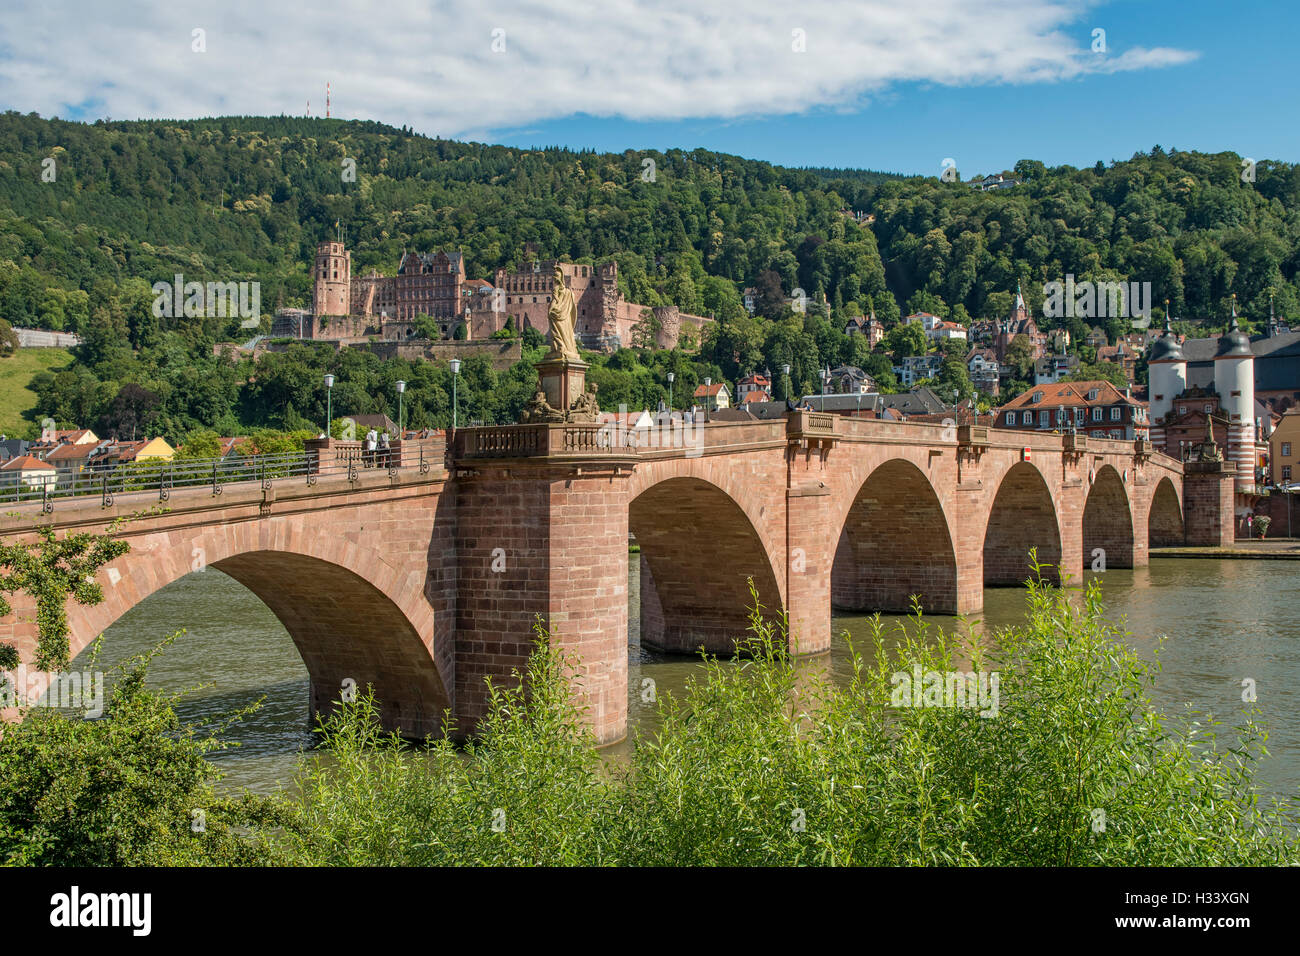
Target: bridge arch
893, 543
1107, 521
351, 614
699, 548
1165, 517
1022, 517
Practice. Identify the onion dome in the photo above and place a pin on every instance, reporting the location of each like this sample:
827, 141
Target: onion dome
1234, 343
1166, 348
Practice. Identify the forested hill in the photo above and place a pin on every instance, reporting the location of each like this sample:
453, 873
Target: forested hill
249, 197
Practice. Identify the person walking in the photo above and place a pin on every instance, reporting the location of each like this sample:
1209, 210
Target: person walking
385, 450
372, 439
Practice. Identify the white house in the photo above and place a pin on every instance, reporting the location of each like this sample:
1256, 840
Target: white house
30, 471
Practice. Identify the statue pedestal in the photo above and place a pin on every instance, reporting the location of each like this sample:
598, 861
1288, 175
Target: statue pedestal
563, 380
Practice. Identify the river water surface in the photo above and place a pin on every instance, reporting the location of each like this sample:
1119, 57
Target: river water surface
1225, 620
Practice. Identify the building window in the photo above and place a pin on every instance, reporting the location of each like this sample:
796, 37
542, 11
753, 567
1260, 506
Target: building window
1043, 418
1286, 472
1116, 414
1028, 418
1096, 414
1286, 449
1209, 408
1011, 418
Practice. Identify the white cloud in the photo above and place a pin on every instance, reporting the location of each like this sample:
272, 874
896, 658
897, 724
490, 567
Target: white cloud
431, 65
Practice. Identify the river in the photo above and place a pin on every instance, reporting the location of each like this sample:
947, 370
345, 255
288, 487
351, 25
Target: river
1225, 620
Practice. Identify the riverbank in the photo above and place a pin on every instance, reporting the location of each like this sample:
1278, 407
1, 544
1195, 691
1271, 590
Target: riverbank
1273, 549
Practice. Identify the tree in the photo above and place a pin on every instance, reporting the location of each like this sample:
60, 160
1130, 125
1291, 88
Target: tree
1020, 356
426, 327
954, 377
1101, 371
199, 444
133, 410
645, 333
906, 339
770, 299
8, 339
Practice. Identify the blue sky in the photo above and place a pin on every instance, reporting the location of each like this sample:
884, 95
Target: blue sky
1241, 93
878, 84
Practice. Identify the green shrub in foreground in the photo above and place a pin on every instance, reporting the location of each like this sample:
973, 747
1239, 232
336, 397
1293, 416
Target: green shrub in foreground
757, 765
121, 790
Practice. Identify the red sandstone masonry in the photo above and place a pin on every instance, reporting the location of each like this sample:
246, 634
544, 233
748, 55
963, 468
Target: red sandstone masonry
392, 583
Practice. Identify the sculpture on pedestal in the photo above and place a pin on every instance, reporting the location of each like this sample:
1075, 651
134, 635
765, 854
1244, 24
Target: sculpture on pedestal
563, 316
561, 396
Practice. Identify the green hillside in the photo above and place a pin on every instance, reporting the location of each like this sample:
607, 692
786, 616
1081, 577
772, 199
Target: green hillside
16, 396
234, 198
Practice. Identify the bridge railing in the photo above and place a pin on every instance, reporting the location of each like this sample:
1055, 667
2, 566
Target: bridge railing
319, 458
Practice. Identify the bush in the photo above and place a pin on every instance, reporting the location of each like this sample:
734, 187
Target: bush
1261, 523
758, 765
120, 790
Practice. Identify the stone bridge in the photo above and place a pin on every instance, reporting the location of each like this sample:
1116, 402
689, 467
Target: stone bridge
425, 582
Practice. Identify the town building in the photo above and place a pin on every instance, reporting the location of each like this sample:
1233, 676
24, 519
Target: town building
1050, 369
1185, 395
1276, 366
849, 379
1285, 449
1121, 354
1097, 409
993, 182
27, 471
985, 370
869, 326
917, 368
754, 387
713, 396
1096, 338
1019, 322
936, 328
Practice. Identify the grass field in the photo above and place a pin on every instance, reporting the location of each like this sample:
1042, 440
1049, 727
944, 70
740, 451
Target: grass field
15, 374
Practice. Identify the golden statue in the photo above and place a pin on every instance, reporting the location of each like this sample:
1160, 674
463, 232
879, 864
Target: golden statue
563, 316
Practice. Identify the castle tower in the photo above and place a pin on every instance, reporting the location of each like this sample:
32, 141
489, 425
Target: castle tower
1168, 379
1234, 378
332, 292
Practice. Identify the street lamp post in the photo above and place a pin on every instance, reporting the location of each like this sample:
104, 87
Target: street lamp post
708, 384
329, 406
671, 376
785, 373
455, 380
401, 388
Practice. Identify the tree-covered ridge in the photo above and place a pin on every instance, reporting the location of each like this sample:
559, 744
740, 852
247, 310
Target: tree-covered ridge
236, 198
251, 197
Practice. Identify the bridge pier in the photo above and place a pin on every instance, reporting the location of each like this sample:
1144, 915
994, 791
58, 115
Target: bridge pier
541, 536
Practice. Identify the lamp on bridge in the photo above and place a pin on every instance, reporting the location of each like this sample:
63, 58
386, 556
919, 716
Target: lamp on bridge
826, 376
329, 406
671, 376
455, 379
708, 384
401, 387
785, 384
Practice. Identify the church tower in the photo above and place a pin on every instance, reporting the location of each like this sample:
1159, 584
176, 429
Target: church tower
332, 292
